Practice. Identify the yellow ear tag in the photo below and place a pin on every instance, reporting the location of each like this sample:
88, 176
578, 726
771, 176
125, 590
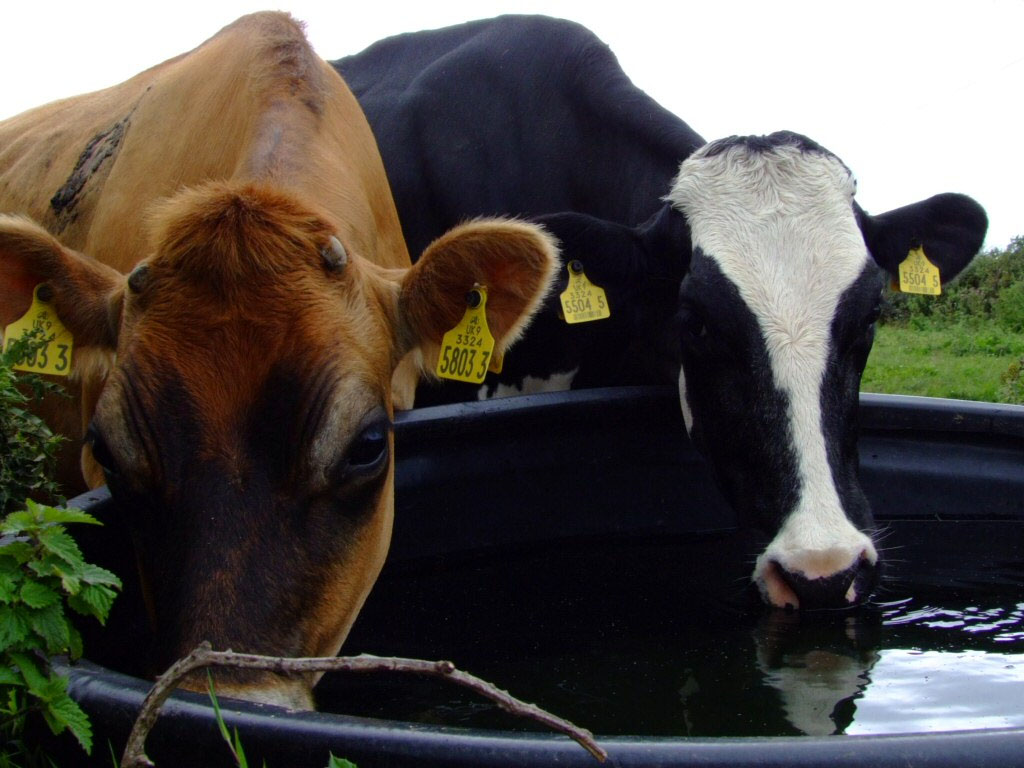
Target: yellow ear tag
918, 275
582, 301
467, 348
54, 356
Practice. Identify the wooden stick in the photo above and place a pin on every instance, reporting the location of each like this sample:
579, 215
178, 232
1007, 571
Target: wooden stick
204, 656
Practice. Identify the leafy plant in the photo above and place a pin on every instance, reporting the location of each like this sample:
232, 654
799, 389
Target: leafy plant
1013, 382
28, 448
42, 571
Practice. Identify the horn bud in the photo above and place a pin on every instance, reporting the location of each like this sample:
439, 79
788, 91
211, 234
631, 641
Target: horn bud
138, 278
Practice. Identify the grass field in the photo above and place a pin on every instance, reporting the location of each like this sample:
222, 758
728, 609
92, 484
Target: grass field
943, 361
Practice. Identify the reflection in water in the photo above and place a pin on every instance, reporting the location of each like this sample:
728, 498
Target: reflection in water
923, 691
614, 638
845, 675
956, 687
818, 666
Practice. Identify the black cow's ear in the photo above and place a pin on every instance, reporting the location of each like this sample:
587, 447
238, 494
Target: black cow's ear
949, 227
606, 250
666, 238
619, 255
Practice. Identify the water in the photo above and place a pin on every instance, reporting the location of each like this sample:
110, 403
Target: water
662, 638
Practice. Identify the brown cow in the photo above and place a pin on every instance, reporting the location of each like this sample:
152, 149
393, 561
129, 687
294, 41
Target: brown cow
237, 385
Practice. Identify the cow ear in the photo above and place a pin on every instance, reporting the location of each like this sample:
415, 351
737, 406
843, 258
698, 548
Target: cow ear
514, 260
949, 227
85, 294
666, 239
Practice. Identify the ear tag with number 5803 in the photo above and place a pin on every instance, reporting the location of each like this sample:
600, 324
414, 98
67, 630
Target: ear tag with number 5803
919, 275
54, 354
582, 301
467, 348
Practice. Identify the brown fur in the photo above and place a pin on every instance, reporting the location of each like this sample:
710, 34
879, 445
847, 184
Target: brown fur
245, 365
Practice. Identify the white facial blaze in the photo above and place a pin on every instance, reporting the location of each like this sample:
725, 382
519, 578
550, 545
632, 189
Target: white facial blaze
779, 224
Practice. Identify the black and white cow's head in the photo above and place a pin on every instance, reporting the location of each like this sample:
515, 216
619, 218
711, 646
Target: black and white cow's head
775, 321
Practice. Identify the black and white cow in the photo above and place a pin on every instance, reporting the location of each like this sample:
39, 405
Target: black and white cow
754, 281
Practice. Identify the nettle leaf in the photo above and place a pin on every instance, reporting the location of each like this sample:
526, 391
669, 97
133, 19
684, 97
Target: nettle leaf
18, 522
65, 515
50, 624
93, 600
9, 584
63, 711
71, 583
36, 595
340, 762
39, 684
94, 574
10, 677
59, 542
75, 649
16, 553
14, 625
52, 566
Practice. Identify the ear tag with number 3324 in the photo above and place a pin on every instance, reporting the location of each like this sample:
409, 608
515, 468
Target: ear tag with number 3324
919, 275
54, 356
582, 301
467, 348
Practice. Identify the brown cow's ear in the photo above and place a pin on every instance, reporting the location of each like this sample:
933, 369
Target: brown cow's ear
85, 293
514, 260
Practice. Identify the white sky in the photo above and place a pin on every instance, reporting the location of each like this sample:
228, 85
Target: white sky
917, 96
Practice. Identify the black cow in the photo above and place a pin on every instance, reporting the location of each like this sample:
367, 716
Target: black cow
755, 285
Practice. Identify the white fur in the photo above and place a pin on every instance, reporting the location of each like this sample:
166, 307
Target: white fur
745, 209
532, 385
684, 402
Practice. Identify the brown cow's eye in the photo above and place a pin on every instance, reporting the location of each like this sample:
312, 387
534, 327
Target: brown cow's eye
101, 451
370, 446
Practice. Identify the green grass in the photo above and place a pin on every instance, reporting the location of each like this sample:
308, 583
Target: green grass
935, 360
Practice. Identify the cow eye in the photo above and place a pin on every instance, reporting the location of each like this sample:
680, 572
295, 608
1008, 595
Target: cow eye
691, 323
101, 451
369, 448
868, 327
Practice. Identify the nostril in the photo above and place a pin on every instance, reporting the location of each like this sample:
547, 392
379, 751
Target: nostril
841, 589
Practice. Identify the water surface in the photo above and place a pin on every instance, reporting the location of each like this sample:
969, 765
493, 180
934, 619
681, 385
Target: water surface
663, 638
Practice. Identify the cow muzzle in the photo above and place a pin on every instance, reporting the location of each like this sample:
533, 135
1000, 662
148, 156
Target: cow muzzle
809, 579
289, 692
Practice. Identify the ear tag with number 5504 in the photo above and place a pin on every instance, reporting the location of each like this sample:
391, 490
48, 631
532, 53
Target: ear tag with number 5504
467, 348
582, 301
919, 275
54, 354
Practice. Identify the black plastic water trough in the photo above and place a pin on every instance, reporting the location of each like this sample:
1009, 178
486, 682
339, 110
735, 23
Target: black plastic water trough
553, 473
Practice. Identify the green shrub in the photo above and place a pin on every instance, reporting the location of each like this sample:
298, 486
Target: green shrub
992, 287
1009, 307
28, 449
1013, 382
42, 571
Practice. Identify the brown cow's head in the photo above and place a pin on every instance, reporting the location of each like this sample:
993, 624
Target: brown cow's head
245, 425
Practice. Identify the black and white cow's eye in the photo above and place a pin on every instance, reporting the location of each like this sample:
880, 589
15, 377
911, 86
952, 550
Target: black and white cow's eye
691, 323
101, 451
871, 318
